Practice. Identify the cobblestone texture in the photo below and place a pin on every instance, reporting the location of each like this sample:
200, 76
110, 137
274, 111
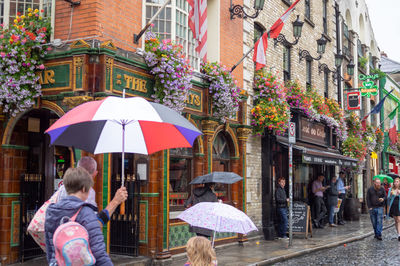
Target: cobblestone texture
365, 252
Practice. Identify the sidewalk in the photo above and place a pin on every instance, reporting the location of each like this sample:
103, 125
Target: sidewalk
262, 252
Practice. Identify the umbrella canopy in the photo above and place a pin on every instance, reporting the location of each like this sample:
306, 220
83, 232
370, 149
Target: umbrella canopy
97, 127
392, 175
218, 217
381, 177
217, 177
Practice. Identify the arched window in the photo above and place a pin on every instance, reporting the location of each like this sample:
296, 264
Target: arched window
221, 163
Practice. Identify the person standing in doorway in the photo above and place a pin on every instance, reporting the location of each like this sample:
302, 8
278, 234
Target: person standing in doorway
281, 207
376, 197
342, 195
320, 209
332, 193
394, 206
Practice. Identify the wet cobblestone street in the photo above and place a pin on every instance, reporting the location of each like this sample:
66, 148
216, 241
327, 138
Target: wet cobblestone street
365, 252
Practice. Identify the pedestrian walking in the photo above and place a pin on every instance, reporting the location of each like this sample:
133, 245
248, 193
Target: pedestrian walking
332, 195
376, 197
202, 194
77, 182
342, 195
200, 252
319, 206
281, 207
394, 206
386, 186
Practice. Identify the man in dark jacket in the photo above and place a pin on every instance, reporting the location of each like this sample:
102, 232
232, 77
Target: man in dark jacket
376, 198
281, 207
332, 195
77, 182
202, 194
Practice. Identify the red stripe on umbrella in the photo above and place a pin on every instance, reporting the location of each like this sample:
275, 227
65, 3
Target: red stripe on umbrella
158, 136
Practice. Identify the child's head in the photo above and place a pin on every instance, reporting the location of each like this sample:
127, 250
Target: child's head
77, 180
199, 251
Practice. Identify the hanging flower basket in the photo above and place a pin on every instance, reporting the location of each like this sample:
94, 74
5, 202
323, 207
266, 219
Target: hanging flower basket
225, 95
22, 52
171, 70
271, 110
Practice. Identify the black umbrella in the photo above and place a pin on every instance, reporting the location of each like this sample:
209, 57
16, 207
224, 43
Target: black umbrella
217, 177
393, 175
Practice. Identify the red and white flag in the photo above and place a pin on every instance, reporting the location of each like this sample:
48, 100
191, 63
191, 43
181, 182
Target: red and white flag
261, 45
198, 25
393, 130
278, 25
259, 51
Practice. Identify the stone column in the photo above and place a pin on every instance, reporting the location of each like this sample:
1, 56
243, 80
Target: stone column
208, 128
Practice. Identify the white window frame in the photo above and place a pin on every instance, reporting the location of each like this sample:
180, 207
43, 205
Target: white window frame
173, 6
6, 20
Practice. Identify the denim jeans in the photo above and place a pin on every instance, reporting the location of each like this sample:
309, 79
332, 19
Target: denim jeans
283, 221
331, 213
376, 215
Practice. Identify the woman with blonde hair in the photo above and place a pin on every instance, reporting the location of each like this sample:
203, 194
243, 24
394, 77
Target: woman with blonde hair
200, 252
394, 206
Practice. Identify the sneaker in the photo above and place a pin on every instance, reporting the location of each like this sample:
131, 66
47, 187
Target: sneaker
341, 223
398, 238
332, 225
379, 237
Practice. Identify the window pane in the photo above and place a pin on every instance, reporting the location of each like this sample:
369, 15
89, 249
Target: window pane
1, 11
179, 178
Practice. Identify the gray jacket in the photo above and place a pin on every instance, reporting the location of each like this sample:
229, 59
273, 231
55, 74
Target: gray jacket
332, 193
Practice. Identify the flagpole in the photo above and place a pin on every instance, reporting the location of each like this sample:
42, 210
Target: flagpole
248, 52
136, 37
388, 116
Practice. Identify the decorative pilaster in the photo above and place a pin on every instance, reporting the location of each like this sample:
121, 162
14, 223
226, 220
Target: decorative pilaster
208, 128
74, 101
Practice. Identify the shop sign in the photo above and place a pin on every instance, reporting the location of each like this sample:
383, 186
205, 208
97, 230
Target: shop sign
368, 86
194, 100
315, 159
134, 82
353, 100
312, 132
56, 77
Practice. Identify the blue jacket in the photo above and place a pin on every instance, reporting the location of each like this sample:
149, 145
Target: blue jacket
391, 198
86, 217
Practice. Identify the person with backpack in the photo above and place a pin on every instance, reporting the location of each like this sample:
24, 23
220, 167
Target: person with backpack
67, 244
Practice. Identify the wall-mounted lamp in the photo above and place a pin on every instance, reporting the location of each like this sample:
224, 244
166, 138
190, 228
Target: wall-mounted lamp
238, 10
336, 74
321, 44
297, 27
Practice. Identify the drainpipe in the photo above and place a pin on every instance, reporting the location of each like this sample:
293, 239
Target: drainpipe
339, 83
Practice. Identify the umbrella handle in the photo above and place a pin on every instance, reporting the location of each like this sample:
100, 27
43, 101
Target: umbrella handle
122, 208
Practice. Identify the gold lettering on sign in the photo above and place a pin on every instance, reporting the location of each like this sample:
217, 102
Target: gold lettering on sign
46, 77
193, 99
134, 83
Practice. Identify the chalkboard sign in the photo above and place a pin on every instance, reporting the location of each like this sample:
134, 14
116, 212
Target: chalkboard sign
301, 218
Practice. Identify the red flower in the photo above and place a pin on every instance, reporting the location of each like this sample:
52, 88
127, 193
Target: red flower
18, 13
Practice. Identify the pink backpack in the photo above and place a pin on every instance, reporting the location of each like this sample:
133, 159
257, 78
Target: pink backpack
71, 243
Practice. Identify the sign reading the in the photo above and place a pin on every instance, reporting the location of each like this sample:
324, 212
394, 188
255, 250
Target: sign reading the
353, 100
312, 132
292, 132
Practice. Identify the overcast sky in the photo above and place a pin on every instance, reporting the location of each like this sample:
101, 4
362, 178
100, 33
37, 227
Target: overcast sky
385, 19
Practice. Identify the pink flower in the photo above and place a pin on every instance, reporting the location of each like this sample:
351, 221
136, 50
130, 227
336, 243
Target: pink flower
41, 67
2, 54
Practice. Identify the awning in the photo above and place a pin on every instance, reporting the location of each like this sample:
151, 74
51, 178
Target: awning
316, 156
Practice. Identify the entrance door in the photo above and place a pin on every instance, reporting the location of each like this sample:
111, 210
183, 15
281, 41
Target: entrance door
44, 163
124, 228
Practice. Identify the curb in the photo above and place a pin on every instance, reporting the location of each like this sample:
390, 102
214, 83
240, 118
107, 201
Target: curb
311, 250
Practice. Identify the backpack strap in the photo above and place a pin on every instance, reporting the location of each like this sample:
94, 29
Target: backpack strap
73, 218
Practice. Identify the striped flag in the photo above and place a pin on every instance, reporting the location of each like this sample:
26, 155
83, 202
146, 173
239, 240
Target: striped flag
198, 25
278, 25
392, 129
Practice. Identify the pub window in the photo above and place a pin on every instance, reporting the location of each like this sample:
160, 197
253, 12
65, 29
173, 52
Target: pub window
221, 157
371, 61
258, 31
308, 73
307, 12
325, 16
172, 23
286, 63
359, 49
180, 175
326, 83
10, 8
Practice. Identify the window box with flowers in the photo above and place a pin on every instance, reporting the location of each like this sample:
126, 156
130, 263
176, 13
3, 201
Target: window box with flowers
22, 52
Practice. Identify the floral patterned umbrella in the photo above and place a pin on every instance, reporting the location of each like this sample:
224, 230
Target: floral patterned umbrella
218, 217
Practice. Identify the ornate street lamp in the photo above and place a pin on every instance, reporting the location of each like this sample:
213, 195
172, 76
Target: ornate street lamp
321, 44
238, 10
297, 27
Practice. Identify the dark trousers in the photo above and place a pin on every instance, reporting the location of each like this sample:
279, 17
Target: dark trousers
376, 215
283, 221
320, 210
341, 210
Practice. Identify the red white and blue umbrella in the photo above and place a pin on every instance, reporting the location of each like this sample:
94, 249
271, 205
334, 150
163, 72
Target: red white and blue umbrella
115, 124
